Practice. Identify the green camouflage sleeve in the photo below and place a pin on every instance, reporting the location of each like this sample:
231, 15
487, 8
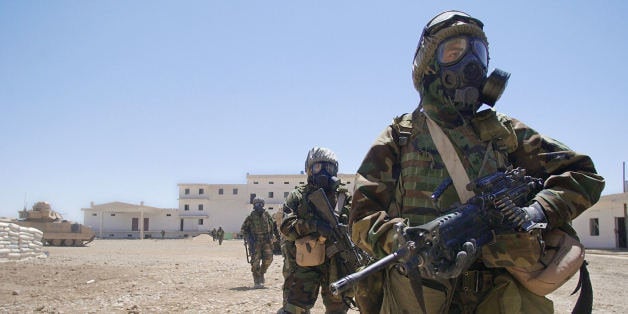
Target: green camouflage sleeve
373, 197
571, 182
245, 226
293, 226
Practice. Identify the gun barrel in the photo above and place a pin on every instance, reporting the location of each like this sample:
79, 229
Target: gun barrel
343, 284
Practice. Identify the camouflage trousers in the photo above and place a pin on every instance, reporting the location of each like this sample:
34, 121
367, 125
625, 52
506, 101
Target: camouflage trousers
490, 291
261, 259
303, 284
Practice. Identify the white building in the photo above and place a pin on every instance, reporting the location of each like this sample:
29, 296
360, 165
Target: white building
603, 226
119, 220
202, 207
228, 204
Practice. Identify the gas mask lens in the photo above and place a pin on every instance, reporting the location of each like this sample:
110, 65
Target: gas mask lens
330, 168
454, 49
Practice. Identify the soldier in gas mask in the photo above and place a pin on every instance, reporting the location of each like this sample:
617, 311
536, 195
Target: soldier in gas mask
405, 166
309, 270
259, 232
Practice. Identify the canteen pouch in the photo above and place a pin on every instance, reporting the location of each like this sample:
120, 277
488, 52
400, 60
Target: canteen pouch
562, 258
310, 251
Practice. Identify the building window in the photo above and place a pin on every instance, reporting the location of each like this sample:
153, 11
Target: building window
285, 194
221, 191
270, 194
235, 191
113, 215
168, 215
301, 182
201, 191
271, 182
594, 226
94, 214
186, 207
200, 221
255, 182
187, 192
200, 206
251, 197
286, 182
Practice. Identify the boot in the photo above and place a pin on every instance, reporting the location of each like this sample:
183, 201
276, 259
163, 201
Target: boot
257, 282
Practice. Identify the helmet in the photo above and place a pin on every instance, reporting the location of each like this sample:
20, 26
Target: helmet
258, 201
321, 166
321, 155
461, 77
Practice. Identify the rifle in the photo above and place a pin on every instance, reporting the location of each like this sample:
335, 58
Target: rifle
432, 246
351, 257
249, 247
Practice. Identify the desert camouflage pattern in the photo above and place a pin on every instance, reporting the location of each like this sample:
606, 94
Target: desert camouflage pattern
302, 284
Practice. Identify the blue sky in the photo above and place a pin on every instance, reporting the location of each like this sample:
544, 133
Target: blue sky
122, 100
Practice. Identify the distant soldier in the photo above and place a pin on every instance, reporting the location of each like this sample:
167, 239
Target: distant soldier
213, 234
220, 234
259, 232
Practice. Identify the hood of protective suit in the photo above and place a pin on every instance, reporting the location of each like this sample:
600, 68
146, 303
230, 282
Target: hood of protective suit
436, 100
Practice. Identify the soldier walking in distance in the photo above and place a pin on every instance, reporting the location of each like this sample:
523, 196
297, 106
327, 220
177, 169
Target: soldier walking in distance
259, 232
220, 234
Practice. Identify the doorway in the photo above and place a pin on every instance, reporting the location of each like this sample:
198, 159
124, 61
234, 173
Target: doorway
620, 226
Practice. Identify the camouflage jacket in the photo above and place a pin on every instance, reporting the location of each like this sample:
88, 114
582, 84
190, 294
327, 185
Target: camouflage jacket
403, 168
299, 218
259, 225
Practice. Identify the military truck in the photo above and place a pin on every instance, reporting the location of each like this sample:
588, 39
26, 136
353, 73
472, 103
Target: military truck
57, 231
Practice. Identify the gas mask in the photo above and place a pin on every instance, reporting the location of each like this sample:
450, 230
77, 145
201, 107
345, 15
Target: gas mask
323, 175
463, 63
258, 207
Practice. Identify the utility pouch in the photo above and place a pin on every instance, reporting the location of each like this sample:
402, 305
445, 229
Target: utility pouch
520, 249
562, 258
310, 251
489, 128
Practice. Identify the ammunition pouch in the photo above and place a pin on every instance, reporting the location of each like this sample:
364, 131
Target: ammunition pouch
310, 251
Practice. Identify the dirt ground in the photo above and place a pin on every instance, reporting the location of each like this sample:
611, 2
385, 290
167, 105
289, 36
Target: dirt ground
199, 276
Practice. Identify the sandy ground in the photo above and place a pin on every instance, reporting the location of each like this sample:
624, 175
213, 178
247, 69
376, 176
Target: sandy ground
199, 276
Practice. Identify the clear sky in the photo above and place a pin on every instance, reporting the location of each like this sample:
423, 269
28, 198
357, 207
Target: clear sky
122, 100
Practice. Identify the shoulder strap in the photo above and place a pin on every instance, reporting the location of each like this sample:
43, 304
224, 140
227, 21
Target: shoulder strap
451, 159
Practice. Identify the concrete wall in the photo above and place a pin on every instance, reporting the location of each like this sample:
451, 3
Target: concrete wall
607, 212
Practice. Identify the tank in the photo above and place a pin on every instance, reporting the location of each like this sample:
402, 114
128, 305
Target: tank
57, 231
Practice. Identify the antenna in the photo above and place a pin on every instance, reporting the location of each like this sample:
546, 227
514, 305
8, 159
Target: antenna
25, 200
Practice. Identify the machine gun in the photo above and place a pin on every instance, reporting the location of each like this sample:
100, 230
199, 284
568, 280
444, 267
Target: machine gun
350, 256
432, 247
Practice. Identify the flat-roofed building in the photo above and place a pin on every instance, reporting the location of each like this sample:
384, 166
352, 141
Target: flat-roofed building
202, 207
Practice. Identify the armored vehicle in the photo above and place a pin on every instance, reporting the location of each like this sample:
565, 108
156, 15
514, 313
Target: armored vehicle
57, 231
